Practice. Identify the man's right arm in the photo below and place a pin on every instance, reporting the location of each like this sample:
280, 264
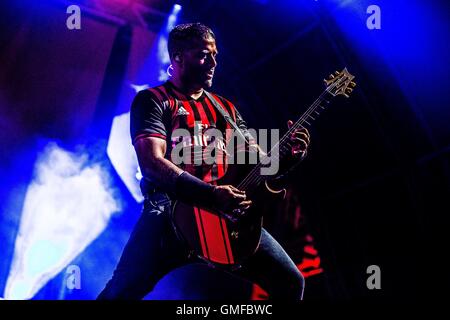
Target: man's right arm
150, 152
148, 132
184, 186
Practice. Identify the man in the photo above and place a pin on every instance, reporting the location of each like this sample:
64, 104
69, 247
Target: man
153, 248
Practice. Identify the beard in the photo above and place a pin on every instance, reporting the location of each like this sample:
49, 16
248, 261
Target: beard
198, 77
208, 83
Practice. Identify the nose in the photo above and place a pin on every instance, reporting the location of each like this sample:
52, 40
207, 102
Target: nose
212, 62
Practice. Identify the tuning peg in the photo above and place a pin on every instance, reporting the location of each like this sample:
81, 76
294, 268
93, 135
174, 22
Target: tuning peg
337, 73
353, 84
348, 90
346, 95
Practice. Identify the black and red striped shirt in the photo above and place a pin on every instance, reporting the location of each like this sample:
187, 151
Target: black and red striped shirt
159, 111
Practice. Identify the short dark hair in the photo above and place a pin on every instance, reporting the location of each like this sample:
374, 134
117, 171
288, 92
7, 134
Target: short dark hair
184, 35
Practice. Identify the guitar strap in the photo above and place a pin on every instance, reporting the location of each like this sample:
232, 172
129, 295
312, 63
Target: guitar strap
226, 115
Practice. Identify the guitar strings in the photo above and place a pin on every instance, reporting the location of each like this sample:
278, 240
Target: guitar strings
253, 177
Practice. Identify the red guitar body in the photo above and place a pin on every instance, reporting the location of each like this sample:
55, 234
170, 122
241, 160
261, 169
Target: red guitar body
215, 238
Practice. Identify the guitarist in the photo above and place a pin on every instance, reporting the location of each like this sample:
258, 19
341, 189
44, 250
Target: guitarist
153, 249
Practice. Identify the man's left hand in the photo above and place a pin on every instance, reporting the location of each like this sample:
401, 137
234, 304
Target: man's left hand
299, 140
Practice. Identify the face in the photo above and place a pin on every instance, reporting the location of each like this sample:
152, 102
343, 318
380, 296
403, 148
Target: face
198, 63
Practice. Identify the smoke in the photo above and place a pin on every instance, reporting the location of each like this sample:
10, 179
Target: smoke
67, 205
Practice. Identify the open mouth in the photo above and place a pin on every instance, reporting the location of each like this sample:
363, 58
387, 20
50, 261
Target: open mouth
210, 74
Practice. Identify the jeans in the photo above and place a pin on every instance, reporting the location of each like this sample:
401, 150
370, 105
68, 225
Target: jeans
154, 250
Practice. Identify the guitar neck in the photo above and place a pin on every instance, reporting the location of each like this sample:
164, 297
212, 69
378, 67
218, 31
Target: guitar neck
339, 83
282, 148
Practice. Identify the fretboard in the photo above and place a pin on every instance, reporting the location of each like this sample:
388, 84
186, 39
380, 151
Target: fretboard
282, 148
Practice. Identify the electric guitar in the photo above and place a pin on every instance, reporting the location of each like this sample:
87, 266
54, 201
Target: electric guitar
224, 239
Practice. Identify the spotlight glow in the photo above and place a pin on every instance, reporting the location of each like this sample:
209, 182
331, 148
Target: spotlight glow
67, 205
122, 155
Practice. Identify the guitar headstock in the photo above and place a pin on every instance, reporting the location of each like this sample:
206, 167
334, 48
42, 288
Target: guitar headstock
340, 83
